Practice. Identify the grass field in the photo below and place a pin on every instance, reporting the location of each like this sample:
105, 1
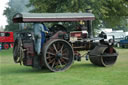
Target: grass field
81, 73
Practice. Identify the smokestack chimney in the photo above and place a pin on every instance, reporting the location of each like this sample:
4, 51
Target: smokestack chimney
88, 10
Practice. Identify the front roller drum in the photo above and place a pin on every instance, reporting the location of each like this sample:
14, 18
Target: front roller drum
57, 55
103, 55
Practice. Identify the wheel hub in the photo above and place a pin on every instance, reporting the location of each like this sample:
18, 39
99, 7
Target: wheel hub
58, 55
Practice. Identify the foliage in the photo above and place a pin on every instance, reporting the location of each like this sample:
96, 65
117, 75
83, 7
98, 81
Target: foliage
15, 6
111, 12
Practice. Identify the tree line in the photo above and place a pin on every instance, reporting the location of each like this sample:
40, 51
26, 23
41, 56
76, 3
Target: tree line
108, 13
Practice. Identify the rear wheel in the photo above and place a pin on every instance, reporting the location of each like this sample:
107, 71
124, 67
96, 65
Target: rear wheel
18, 53
58, 55
6, 46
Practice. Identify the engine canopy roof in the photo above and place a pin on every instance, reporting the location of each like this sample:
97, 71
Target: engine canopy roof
52, 17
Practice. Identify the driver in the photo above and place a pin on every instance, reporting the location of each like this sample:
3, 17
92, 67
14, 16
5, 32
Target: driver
39, 29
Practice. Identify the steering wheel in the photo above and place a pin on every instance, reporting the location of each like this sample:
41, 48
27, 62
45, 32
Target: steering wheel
56, 27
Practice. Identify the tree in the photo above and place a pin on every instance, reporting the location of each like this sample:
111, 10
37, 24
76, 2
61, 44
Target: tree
15, 6
116, 11
111, 12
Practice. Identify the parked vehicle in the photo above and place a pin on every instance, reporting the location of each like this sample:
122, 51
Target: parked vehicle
6, 40
115, 36
61, 47
124, 43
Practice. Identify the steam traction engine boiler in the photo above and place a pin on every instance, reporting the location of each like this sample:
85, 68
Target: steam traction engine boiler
60, 48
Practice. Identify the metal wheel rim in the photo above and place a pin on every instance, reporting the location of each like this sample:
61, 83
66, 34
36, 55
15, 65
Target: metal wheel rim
50, 55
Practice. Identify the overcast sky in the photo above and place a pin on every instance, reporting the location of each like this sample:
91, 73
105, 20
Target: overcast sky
3, 4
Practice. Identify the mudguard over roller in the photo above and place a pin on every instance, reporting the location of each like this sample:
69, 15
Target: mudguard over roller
103, 55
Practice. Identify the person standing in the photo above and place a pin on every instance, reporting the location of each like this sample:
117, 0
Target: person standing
38, 29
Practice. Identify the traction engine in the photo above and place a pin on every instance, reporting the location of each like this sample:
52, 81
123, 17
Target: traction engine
61, 48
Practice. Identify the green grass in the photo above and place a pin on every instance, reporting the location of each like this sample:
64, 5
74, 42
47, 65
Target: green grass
81, 73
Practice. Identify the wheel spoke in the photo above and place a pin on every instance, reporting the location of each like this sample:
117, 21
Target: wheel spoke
52, 50
66, 58
61, 48
53, 64
48, 57
60, 63
55, 47
51, 61
51, 53
63, 60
